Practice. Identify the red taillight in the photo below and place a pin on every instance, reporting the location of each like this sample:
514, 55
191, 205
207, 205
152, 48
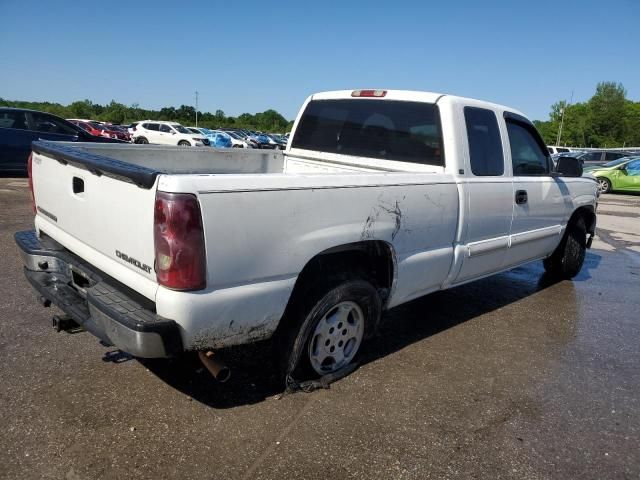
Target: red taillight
179, 241
368, 93
30, 173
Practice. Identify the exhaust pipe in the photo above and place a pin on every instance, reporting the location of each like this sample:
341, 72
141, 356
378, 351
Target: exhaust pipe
216, 367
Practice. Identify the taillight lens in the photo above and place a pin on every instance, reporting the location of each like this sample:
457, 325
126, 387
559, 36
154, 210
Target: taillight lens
179, 242
368, 93
29, 172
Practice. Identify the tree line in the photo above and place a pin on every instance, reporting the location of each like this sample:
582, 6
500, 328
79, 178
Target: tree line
118, 113
607, 119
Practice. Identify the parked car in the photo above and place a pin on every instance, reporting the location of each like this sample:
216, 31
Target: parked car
131, 128
216, 138
117, 131
102, 129
222, 139
279, 142
19, 127
87, 126
263, 141
596, 157
238, 141
553, 149
174, 252
621, 175
167, 133
243, 135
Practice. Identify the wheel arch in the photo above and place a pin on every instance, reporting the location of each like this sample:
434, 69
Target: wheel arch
370, 260
588, 214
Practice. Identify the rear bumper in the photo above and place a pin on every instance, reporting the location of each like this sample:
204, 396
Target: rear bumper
104, 307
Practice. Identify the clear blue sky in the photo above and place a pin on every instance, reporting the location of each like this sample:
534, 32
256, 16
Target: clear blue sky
250, 56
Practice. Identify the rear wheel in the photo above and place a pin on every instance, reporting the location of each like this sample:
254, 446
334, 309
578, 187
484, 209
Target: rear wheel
325, 332
566, 261
604, 185
184, 143
142, 141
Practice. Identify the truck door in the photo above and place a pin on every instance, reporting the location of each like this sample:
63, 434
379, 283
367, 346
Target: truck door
488, 193
538, 198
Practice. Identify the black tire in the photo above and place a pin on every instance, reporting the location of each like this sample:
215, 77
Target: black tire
604, 185
142, 141
184, 143
566, 261
303, 316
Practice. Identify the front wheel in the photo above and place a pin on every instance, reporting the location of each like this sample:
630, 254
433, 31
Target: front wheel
566, 261
326, 335
604, 185
184, 143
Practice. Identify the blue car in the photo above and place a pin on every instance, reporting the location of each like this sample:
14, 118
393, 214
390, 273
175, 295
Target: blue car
19, 127
217, 139
262, 140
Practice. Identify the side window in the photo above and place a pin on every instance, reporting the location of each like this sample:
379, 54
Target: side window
612, 156
485, 147
592, 157
527, 156
152, 126
13, 119
165, 128
633, 168
49, 124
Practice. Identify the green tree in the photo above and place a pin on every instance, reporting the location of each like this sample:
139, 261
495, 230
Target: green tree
632, 124
607, 110
81, 109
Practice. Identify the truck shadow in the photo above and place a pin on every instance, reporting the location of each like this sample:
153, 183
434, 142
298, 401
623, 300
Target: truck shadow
253, 373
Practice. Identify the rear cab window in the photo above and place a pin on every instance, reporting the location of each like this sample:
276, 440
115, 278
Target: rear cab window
373, 128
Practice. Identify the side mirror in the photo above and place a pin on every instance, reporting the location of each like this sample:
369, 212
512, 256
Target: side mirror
569, 167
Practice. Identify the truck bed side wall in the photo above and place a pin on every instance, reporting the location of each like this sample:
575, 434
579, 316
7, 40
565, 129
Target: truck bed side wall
259, 240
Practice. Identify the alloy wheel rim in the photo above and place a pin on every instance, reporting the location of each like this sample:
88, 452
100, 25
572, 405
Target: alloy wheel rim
337, 337
602, 184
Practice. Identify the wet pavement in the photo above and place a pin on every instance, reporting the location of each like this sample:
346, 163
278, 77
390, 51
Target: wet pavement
507, 377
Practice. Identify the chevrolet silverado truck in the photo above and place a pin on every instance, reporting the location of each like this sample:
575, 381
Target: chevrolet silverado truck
380, 197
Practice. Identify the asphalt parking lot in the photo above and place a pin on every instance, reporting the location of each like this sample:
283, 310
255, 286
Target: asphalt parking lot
508, 377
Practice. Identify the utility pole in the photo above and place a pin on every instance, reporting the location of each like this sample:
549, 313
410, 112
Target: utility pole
196, 109
564, 108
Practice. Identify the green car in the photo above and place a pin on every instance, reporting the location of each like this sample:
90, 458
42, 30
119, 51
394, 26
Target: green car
622, 175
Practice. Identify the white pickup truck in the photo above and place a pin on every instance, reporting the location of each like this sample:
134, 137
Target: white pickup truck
380, 197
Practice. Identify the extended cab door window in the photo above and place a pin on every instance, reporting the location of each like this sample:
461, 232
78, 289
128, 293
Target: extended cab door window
488, 190
527, 155
485, 146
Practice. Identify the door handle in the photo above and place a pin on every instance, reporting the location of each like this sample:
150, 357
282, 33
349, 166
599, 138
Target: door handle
521, 197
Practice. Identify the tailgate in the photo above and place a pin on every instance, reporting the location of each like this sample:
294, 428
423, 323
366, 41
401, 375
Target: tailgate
101, 217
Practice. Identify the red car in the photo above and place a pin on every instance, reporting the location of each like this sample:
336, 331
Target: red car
102, 129
88, 127
117, 131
